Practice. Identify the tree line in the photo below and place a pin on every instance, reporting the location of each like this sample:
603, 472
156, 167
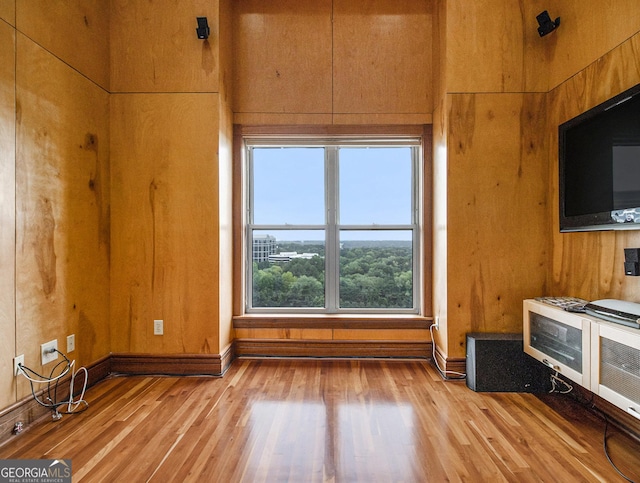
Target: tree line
370, 277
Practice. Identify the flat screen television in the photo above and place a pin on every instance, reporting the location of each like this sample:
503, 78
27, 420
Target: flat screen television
599, 162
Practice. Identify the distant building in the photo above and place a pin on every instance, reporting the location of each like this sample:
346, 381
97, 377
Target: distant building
263, 247
288, 256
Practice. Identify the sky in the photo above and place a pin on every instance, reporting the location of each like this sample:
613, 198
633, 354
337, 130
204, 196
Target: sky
375, 188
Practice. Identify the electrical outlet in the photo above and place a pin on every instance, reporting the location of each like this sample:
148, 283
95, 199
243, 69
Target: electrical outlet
48, 351
17, 360
158, 327
71, 343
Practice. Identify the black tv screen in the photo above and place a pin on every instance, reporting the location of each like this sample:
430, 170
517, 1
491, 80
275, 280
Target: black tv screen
599, 162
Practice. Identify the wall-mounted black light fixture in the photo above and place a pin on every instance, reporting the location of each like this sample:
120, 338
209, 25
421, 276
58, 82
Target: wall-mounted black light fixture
203, 28
546, 25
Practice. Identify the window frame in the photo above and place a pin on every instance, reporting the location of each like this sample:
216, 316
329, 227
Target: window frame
332, 226
329, 321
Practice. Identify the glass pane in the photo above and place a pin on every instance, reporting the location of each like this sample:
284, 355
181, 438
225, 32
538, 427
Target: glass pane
375, 186
288, 186
288, 268
560, 341
376, 269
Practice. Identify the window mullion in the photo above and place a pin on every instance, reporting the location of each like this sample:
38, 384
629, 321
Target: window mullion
332, 266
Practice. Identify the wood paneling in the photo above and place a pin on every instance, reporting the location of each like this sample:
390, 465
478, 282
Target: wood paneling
282, 56
484, 46
333, 334
292, 421
590, 265
7, 213
498, 239
170, 364
62, 206
286, 333
225, 178
382, 59
8, 12
154, 47
382, 119
76, 31
382, 334
332, 348
165, 228
589, 29
333, 61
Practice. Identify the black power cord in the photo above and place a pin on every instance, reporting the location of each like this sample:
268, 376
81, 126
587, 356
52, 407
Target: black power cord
53, 382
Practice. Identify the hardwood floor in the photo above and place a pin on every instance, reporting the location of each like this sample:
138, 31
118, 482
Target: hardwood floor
321, 420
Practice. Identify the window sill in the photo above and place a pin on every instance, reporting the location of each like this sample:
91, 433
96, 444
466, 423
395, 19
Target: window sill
331, 321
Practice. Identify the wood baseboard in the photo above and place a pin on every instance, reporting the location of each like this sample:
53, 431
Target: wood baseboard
172, 364
331, 348
446, 365
27, 410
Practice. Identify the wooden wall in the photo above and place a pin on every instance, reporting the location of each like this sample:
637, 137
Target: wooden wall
591, 265
333, 62
7, 207
170, 186
496, 125
490, 240
117, 136
54, 189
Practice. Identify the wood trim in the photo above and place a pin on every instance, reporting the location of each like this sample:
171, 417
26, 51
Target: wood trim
330, 130
28, 411
238, 197
171, 364
330, 322
227, 357
445, 364
331, 348
427, 220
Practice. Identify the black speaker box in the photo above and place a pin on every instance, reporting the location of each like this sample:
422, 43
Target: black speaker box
632, 255
498, 363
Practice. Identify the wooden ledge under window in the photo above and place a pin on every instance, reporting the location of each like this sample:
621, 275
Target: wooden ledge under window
331, 321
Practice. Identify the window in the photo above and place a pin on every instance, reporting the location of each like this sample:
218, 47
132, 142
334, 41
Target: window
332, 225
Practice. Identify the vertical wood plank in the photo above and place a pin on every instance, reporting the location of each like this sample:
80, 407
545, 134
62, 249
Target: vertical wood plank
382, 56
7, 213
225, 175
484, 46
282, 56
165, 222
497, 211
62, 208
